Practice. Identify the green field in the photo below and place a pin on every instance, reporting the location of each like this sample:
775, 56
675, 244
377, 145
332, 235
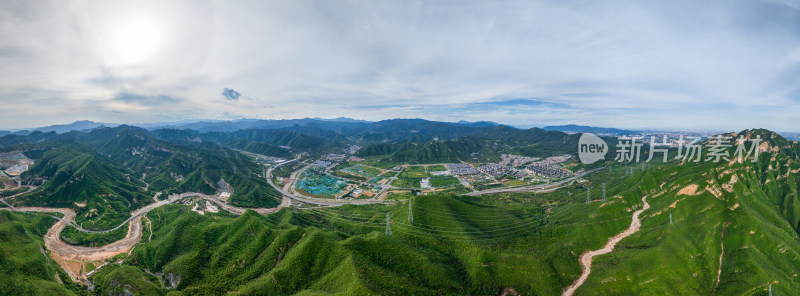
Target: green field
436, 168
413, 175
515, 182
415, 168
442, 181
406, 182
410, 177
368, 172
72, 236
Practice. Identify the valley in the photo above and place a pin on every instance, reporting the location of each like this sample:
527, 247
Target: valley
377, 148
477, 223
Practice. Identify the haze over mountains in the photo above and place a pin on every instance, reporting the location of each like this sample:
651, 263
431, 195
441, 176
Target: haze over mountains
341, 123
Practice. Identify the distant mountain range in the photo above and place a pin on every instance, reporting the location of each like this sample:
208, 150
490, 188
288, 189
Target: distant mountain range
222, 125
340, 124
572, 128
81, 125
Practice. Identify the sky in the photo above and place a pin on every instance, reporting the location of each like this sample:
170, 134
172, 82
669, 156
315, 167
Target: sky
627, 64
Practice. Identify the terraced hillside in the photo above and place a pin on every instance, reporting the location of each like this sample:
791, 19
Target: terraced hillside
727, 228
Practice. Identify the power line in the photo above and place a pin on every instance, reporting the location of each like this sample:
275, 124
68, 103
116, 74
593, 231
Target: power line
495, 228
439, 234
476, 217
411, 230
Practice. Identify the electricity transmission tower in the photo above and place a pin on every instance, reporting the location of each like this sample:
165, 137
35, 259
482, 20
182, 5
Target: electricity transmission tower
670, 218
388, 227
604, 192
410, 213
588, 195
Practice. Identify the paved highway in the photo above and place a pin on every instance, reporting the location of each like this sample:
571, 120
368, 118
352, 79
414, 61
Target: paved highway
536, 189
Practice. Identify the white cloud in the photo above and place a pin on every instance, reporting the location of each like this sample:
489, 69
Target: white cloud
648, 60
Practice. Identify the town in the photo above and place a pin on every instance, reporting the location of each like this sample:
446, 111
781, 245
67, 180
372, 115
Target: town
347, 177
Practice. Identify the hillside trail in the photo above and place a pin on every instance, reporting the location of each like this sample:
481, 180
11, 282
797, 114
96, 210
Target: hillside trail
586, 258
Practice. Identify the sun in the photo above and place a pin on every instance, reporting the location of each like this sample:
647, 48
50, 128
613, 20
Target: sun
134, 42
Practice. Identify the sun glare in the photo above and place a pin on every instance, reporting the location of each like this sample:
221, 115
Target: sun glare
134, 42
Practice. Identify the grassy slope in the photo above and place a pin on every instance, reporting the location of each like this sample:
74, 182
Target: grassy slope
76, 174
482, 245
760, 246
456, 246
73, 236
476, 245
105, 173
25, 268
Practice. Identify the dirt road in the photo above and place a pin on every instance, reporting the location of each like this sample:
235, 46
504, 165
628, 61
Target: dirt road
586, 258
72, 258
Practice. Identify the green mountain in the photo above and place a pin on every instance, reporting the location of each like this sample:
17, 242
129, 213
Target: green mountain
739, 214
26, 267
274, 137
73, 174
111, 171
261, 148
487, 145
734, 230
712, 228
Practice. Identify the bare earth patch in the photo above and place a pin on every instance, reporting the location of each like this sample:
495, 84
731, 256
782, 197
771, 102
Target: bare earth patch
688, 190
729, 186
509, 292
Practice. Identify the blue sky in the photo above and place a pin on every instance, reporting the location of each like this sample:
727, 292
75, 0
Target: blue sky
628, 64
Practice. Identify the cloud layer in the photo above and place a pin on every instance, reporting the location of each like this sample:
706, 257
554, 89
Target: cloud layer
683, 64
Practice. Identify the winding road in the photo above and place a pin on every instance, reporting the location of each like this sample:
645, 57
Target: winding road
71, 258
286, 191
586, 258
536, 189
